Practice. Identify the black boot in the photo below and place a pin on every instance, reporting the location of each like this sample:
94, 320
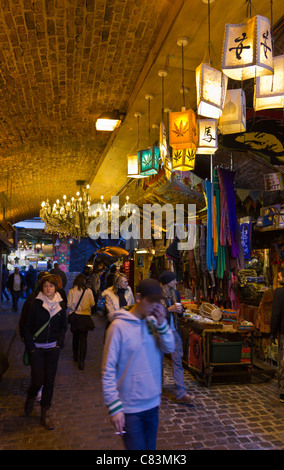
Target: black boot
81, 363
29, 405
45, 421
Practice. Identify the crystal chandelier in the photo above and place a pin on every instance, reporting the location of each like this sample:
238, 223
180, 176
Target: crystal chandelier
68, 218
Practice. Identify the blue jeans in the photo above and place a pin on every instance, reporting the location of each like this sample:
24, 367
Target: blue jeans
178, 373
141, 430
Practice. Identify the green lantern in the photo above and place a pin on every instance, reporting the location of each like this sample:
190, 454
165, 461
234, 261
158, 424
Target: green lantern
149, 161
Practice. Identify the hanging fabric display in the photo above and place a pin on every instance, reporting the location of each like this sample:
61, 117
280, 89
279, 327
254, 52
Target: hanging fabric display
227, 179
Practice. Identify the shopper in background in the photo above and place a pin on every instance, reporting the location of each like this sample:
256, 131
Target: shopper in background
131, 369
46, 318
5, 275
16, 285
174, 309
81, 322
57, 270
118, 295
277, 330
31, 277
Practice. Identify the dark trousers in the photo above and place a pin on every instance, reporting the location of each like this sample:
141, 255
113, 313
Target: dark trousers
141, 430
43, 367
79, 345
15, 297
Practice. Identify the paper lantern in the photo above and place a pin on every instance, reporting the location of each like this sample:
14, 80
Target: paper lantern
211, 86
182, 129
247, 49
148, 160
207, 136
233, 119
269, 90
183, 159
133, 166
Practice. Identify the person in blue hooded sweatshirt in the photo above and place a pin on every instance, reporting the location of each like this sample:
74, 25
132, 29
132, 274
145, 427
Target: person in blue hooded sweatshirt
131, 367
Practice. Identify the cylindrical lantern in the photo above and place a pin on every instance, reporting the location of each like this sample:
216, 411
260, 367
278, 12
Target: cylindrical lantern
211, 86
233, 119
207, 136
269, 90
247, 49
148, 160
182, 129
183, 159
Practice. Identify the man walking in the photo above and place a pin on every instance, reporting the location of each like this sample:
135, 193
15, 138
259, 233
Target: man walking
277, 329
16, 284
131, 369
174, 308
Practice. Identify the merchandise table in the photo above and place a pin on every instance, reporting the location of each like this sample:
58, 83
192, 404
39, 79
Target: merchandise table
209, 349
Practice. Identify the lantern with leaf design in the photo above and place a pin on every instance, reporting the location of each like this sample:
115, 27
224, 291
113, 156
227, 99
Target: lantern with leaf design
269, 90
183, 139
149, 161
183, 159
247, 49
233, 119
207, 136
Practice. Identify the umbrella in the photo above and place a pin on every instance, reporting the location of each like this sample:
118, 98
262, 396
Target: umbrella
116, 251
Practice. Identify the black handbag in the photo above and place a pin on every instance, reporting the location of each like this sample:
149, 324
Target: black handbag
72, 314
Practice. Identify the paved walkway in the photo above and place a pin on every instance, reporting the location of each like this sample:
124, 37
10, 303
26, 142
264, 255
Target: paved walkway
224, 417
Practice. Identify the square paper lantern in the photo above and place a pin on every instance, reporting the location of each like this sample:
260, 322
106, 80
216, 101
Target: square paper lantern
133, 166
207, 136
211, 86
247, 49
233, 119
182, 129
183, 159
269, 90
149, 161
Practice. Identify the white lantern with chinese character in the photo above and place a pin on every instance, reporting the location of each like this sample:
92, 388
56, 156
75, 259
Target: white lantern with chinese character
269, 90
247, 49
211, 86
207, 136
233, 119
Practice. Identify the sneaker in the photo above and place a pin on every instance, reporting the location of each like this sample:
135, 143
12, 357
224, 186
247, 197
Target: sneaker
186, 399
281, 398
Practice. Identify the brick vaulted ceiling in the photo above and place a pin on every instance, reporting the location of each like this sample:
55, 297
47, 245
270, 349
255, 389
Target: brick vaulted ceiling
63, 62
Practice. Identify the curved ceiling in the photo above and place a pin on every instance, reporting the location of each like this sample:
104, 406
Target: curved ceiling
64, 62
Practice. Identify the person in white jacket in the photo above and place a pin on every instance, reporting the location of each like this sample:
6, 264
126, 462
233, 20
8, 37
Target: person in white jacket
131, 367
118, 295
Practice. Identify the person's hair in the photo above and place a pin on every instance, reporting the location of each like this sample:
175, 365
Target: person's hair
116, 279
281, 271
79, 281
48, 278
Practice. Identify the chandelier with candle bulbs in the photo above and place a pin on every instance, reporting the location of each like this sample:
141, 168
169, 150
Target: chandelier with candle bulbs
68, 217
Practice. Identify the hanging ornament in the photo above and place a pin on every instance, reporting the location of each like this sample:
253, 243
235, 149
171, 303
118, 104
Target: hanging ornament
269, 90
207, 136
247, 49
132, 158
183, 159
233, 119
211, 86
148, 159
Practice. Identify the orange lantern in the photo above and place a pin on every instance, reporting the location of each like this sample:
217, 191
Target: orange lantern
183, 129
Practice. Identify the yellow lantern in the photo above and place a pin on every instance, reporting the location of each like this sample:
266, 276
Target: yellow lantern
182, 129
133, 166
211, 86
207, 136
247, 49
233, 119
183, 159
269, 90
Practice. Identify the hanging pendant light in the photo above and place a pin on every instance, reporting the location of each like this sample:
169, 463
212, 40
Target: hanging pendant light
269, 90
148, 159
132, 158
183, 130
233, 119
211, 86
207, 136
247, 49
163, 141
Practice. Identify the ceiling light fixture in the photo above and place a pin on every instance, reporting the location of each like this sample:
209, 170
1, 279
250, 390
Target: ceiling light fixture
108, 121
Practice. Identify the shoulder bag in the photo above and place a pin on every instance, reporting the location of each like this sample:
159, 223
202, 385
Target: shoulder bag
26, 355
72, 314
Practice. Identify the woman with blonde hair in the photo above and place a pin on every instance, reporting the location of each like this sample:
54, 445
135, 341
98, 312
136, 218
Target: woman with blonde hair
80, 302
118, 295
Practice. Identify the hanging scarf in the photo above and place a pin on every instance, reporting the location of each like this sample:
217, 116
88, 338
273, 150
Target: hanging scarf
51, 305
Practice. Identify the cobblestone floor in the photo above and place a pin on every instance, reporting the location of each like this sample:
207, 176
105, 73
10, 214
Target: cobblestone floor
224, 417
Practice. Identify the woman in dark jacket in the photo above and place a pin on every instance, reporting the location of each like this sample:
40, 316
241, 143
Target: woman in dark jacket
47, 311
